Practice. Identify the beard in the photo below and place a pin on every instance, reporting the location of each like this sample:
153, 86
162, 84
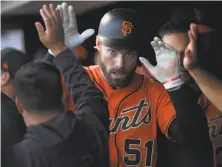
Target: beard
117, 83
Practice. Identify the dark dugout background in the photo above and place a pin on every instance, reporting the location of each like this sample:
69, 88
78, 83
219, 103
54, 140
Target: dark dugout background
154, 13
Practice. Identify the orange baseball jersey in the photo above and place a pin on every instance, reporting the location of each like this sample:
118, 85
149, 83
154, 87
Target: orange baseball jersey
143, 70
135, 112
214, 118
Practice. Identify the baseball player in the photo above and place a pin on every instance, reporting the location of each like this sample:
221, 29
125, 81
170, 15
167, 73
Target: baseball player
212, 87
175, 34
55, 137
12, 124
137, 105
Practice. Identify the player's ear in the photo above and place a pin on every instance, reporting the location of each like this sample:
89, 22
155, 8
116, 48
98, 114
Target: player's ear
5, 78
98, 44
19, 105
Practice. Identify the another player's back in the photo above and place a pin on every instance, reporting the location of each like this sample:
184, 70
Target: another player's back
64, 141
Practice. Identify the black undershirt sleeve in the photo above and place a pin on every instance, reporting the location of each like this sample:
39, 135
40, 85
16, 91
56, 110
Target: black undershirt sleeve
190, 126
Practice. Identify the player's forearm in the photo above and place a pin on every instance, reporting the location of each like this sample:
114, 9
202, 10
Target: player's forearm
86, 96
190, 117
201, 152
49, 58
190, 127
76, 77
210, 86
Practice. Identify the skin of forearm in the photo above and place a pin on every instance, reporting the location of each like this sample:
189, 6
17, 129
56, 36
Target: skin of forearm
210, 86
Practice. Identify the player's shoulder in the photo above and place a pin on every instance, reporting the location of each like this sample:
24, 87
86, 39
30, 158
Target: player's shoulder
152, 83
92, 68
94, 72
27, 147
154, 87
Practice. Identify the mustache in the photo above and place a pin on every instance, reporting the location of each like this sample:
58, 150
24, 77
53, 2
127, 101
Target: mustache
118, 71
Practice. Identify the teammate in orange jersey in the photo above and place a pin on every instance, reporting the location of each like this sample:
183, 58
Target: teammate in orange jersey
175, 33
138, 106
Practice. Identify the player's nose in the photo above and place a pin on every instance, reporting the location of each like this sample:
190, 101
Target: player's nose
120, 61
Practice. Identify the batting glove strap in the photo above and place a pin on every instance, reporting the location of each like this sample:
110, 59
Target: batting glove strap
173, 83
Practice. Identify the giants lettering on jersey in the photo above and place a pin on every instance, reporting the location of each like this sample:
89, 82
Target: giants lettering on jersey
215, 129
125, 123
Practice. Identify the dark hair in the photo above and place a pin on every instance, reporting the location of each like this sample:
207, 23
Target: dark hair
38, 86
184, 14
12, 60
170, 27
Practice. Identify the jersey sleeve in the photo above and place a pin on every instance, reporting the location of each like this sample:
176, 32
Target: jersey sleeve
86, 97
165, 109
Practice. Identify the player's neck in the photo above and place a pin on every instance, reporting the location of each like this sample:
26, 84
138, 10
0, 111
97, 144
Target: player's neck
35, 119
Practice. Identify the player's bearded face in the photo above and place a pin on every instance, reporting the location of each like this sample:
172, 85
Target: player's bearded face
179, 41
118, 66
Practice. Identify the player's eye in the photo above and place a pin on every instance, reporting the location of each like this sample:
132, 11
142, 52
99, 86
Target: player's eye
132, 54
112, 52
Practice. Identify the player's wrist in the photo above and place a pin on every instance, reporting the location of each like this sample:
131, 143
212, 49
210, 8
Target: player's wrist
174, 83
56, 50
195, 71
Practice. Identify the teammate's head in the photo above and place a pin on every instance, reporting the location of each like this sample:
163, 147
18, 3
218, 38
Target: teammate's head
11, 61
38, 89
175, 33
119, 42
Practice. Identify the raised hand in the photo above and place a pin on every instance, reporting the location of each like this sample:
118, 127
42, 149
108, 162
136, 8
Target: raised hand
53, 35
190, 58
167, 70
72, 36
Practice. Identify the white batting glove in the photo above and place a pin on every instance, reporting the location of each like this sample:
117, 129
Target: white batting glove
167, 70
72, 37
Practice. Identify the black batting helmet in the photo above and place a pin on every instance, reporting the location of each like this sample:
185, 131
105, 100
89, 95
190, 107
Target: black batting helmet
123, 27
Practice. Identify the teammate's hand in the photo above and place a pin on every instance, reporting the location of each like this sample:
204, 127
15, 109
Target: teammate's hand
53, 36
167, 70
72, 36
190, 54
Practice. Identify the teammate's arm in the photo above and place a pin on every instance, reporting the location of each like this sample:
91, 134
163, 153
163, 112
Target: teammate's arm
87, 98
49, 58
180, 117
210, 86
190, 118
189, 128
73, 39
208, 83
